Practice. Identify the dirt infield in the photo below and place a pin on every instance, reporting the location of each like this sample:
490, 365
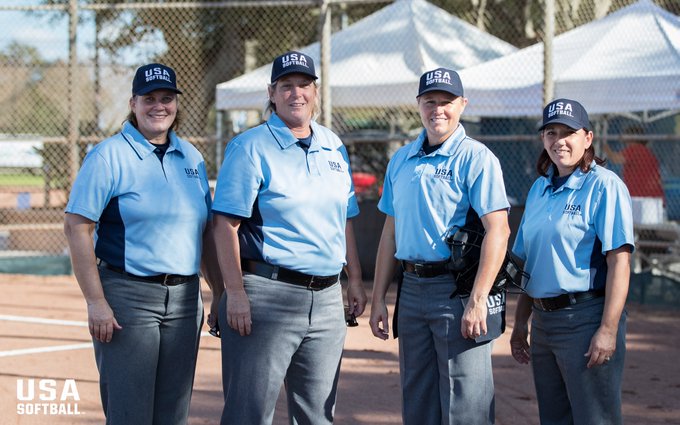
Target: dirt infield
45, 350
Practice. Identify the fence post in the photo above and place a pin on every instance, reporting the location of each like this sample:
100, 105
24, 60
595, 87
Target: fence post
549, 25
325, 44
73, 118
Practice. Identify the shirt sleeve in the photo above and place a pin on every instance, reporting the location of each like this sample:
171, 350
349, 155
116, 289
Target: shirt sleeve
486, 185
613, 219
92, 189
206, 183
386, 204
352, 204
238, 182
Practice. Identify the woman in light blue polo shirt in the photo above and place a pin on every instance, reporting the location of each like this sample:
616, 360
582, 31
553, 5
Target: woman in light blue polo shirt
143, 193
431, 185
283, 199
576, 236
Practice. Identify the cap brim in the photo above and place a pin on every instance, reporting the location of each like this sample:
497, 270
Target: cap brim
438, 89
149, 89
574, 125
295, 71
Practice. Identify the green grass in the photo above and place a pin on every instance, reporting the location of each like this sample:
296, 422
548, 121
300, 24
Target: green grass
23, 180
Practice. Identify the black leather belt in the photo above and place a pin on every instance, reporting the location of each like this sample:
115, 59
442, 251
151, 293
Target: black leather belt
426, 269
164, 279
315, 283
565, 300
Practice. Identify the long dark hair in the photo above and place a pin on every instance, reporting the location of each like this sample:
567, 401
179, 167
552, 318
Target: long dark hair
544, 162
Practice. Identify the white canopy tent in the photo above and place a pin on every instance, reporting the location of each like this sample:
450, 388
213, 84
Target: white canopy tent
378, 60
628, 61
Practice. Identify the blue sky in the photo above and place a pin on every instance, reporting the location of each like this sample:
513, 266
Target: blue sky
48, 32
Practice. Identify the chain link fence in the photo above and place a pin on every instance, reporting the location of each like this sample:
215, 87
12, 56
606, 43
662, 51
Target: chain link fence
66, 68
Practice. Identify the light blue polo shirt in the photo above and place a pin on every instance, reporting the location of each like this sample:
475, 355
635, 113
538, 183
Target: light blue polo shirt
565, 233
150, 216
427, 194
293, 204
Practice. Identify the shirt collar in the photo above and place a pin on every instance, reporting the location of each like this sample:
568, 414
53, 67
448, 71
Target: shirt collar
575, 181
448, 148
143, 147
285, 138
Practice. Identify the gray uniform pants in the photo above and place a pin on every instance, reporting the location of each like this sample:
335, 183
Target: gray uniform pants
445, 378
146, 372
297, 337
567, 391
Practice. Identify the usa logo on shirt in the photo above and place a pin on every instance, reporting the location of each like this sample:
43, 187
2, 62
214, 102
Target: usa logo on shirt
335, 166
191, 173
572, 209
443, 173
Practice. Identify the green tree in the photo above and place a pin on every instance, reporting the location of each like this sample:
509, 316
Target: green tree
25, 101
205, 46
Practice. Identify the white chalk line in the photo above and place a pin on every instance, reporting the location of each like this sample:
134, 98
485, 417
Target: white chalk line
38, 350
42, 320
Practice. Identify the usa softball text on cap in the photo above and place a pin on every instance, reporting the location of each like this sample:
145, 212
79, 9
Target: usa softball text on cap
437, 76
157, 73
292, 62
560, 108
440, 79
565, 111
294, 59
154, 76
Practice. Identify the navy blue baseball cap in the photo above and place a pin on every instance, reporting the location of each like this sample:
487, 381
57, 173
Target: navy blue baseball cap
565, 111
154, 76
441, 79
293, 62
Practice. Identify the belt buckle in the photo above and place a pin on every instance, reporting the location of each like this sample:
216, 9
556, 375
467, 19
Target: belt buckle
310, 284
315, 284
165, 279
418, 269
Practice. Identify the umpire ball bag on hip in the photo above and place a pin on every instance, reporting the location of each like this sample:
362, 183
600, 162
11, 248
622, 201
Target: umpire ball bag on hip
465, 244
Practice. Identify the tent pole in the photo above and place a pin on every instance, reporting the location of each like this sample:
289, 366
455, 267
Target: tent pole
549, 25
325, 42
